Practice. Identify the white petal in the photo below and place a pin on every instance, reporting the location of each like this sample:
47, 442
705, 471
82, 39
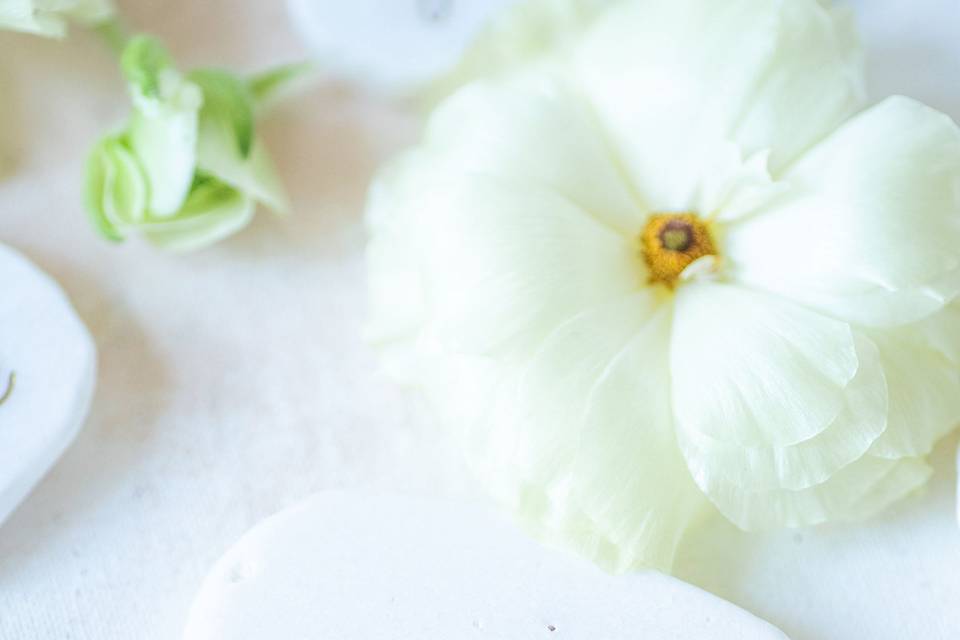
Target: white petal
534, 129
27, 16
163, 136
526, 33
871, 230
396, 287
756, 370
671, 78
857, 491
508, 262
583, 446
942, 332
734, 186
924, 388
720, 465
535, 424
812, 83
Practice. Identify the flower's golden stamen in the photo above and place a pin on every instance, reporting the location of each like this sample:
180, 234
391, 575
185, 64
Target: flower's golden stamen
671, 242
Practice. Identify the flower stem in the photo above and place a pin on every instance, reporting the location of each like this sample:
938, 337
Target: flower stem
11, 383
114, 34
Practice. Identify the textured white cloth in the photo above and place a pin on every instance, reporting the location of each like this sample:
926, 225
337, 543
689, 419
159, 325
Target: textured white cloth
234, 382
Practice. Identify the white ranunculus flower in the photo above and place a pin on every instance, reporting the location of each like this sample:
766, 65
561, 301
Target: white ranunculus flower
683, 266
50, 17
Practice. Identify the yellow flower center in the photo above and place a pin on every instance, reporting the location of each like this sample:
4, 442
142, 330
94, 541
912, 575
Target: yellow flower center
671, 242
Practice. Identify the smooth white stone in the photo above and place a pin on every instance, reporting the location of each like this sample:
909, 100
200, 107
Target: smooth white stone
347, 566
49, 349
395, 46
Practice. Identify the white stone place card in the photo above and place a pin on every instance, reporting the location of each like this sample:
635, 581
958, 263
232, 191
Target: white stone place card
394, 46
348, 566
47, 376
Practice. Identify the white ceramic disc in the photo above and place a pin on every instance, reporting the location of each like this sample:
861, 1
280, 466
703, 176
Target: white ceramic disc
346, 566
53, 361
391, 45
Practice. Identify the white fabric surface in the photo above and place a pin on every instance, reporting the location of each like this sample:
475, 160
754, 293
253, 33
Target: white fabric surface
233, 382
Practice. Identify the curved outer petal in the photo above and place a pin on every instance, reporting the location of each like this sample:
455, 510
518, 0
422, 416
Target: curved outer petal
671, 78
396, 286
581, 444
537, 130
768, 395
924, 383
871, 228
527, 33
859, 490
750, 368
942, 332
115, 190
212, 212
508, 262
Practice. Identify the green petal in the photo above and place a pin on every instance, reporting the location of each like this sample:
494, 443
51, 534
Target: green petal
212, 212
267, 86
254, 175
227, 100
115, 191
226, 146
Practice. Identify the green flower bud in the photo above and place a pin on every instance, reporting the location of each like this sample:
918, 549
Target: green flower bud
188, 169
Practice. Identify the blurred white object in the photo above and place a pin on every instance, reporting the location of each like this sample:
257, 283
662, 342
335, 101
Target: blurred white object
47, 374
396, 46
355, 567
